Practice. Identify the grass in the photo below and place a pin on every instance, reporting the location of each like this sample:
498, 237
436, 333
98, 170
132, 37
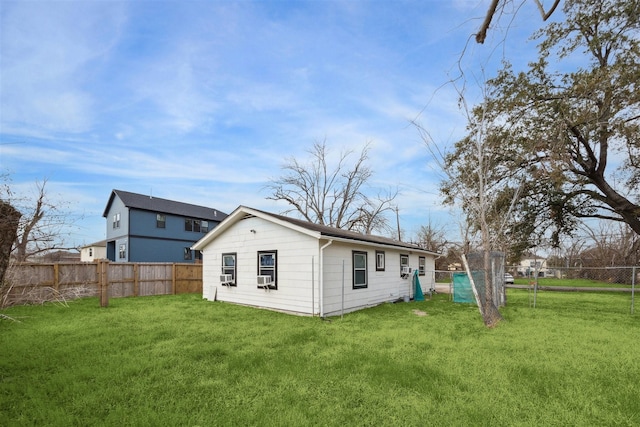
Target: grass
574, 283
179, 360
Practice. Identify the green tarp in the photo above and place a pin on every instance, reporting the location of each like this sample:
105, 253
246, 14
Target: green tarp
417, 290
462, 291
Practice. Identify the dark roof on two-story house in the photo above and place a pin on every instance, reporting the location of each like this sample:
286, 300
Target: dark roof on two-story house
157, 204
143, 228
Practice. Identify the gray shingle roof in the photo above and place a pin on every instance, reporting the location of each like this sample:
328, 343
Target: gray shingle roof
157, 204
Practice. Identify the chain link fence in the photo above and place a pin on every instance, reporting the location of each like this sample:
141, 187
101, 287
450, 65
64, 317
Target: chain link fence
540, 277
578, 276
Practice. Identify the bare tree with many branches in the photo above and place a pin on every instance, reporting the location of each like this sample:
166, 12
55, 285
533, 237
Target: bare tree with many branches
42, 226
333, 196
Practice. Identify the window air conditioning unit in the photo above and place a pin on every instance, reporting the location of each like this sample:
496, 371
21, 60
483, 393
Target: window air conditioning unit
226, 279
264, 281
406, 271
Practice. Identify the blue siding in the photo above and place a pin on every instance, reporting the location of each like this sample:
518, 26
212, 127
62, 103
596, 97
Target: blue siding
144, 241
143, 223
157, 250
117, 207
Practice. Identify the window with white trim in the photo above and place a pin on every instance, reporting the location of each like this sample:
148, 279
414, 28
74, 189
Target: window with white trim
229, 266
422, 262
379, 260
359, 269
404, 262
122, 251
116, 220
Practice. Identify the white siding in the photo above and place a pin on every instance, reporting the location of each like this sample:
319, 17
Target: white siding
382, 286
294, 271
297, 280
92, 253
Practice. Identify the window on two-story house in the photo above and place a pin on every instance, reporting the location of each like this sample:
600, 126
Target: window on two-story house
267, 266
122, 251
196, 225
359, 269
161, 221
116, 220
422, 263
379, 260
229, 266
188, 254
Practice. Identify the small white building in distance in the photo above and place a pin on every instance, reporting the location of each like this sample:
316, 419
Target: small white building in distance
94, 251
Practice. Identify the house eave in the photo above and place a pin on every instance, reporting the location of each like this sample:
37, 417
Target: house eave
380, 245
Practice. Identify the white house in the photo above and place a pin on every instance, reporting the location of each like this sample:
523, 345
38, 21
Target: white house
532, 265
272, 261
94, 251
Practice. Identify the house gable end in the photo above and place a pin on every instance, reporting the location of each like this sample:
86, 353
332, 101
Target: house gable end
241, 213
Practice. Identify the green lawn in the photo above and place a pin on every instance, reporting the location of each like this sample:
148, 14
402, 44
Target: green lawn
577, 283
179, 360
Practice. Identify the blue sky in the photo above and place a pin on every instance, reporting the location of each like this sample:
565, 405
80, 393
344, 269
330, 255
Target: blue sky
203, 101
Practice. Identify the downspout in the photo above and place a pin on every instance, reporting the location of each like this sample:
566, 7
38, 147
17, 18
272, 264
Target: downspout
321, 284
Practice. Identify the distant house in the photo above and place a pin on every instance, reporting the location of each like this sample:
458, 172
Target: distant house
265, 260
94, 251
142, 228
532, 265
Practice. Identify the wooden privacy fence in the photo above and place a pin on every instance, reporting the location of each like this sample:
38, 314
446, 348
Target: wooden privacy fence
29, 283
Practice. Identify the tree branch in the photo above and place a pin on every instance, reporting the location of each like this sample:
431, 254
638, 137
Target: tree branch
546, 15
482, 33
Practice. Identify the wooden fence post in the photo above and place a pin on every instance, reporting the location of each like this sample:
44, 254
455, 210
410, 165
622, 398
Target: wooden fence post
136, 280
56, 276
173, 278
104, 284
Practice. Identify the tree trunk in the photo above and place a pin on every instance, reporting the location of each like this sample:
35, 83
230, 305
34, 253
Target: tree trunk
490, 313
9, 220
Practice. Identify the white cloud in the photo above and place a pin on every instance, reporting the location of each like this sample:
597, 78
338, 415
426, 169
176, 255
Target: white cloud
47, 47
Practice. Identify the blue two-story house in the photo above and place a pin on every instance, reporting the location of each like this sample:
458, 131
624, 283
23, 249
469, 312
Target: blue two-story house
142, 228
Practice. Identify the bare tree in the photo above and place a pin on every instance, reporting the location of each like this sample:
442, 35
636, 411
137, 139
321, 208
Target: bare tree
432, 237
333, 196
610, 245
42, 227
